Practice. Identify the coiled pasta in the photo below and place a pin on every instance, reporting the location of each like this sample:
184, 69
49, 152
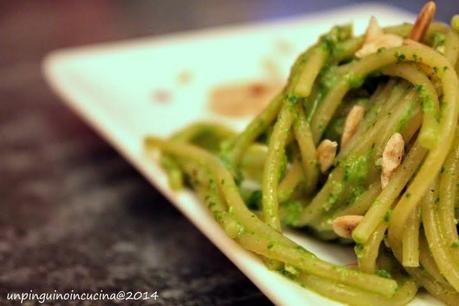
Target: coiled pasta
403, 196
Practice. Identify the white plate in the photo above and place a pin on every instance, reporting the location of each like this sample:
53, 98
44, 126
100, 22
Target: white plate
112, 86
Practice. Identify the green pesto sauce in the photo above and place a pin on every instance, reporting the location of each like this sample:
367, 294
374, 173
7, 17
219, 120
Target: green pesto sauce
226, 159
383, 273
356, 168
438, 39
355, 81
388, 216
232, 227
337, 189
417, 58
358, 249
218, 216
292, 99
400, 57
356, 192
328, 75
283, 165
335, 35
439, 70
427, 104
406, 116
328, 78
291, 212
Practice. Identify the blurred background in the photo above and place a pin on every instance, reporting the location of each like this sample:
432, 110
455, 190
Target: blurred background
73, 213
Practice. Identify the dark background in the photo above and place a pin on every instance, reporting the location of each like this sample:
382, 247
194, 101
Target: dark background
73, 213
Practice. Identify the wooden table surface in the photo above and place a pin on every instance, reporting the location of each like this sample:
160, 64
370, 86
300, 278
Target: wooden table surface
73, 213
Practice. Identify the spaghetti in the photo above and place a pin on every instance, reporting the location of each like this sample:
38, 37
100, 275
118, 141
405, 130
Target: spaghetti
394, 197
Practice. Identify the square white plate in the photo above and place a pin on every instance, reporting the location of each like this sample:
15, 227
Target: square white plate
112, 87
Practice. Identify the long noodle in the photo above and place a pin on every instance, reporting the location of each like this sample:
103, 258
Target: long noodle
406, 236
